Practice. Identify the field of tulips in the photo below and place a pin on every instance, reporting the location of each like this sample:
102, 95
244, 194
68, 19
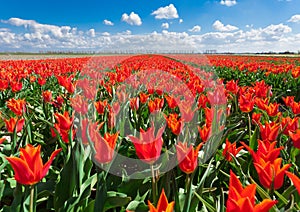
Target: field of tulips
150, 133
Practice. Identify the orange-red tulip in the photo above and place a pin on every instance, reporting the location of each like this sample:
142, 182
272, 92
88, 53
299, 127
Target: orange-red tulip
174, 123
13, 123
295, 180
148, 146
246, 102
187, 157
17, 106
163, 205
295, 138
29, 168
230, 150
243, 199
269, 131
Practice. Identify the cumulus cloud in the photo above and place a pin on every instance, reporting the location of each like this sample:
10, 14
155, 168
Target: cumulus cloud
270, 38
219, 26
91, 33
196, 28
167, 12
165, 25
132, 19
228, 3
295, 19
56, 31
180, 20
108, 23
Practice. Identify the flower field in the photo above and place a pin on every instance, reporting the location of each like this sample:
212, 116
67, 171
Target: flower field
150, 133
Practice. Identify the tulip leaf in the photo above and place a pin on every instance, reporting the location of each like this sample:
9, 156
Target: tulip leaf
115, 199
207, 205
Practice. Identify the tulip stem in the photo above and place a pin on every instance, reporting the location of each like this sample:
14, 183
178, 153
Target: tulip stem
188, 197
249, 122
154, 184
31, 203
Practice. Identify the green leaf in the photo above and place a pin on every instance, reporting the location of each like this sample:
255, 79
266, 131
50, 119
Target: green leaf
207, 205
115, 200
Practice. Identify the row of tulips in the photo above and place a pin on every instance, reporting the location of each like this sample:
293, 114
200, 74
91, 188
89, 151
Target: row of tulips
151, 128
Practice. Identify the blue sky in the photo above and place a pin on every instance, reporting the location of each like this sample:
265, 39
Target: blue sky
150, 25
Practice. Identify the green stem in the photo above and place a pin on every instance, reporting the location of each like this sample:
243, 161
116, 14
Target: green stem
32, 199
188, 197
154, 184
249, 122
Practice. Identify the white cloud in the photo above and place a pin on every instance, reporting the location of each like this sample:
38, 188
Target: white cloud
196, 28
105, 34
180, 21
165, 25
108, 23
295, 18
132, 19
167, 12
219, 26
228, 3
92, 33
270, 38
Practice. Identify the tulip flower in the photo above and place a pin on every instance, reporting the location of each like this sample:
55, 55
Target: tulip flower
296, 107
163, 205
17, 106
79, 104
13, 123
295, 138
266, 151
100, 106
256, 117
187, 157
232, 86
231, 150
47, 96
174, 123
29, 168
148, 146
134, 103
270, 174
243, 199
155, 104
204, 132
289, 124
143, 97
289, 100
63, 125
269, 131
104, 146
295, 180
246, 102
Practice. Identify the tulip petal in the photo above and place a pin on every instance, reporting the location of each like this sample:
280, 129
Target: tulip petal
295, 180
47, 165
23, 174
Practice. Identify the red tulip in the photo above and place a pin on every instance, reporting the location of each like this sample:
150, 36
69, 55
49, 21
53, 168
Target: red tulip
29, 168
18, 106
174, 123
295, 138
47, 96
270, 174
148, 146
269, 131
163, 205
205, 132
230, 150
79, 104
295, 180
246, 102
243, 199
13, 123
63, 125
187, 157
289, 124
104, 146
